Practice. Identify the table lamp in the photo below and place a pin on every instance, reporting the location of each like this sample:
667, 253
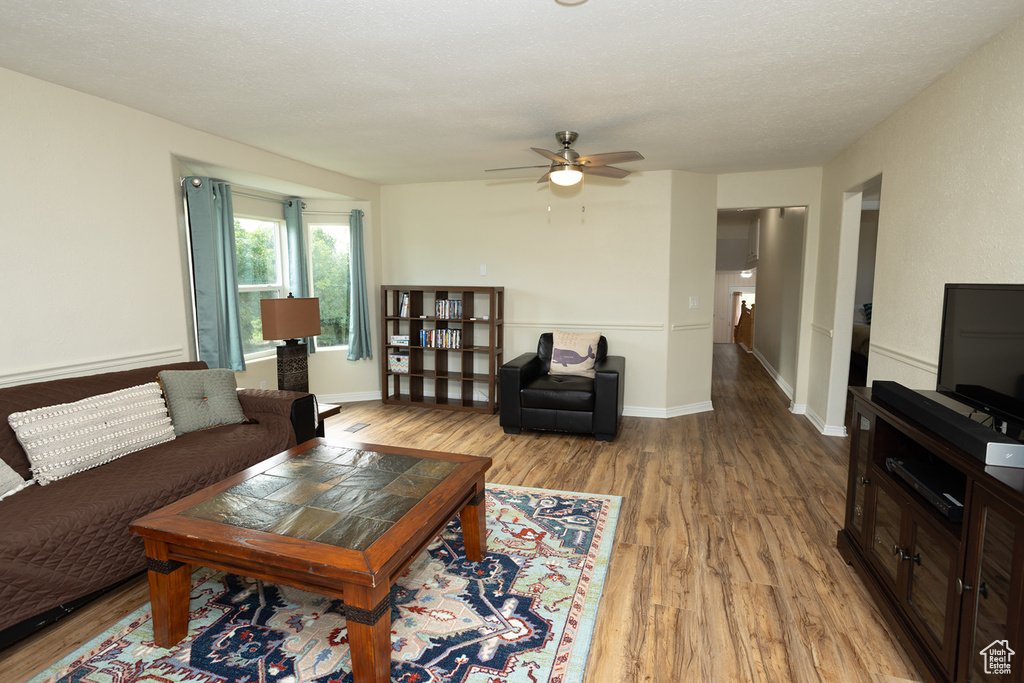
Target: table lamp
291, 319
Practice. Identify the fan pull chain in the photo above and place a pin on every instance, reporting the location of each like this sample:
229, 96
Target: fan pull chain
583, 193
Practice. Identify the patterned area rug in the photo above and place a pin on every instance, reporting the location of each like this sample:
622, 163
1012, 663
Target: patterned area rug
523, 615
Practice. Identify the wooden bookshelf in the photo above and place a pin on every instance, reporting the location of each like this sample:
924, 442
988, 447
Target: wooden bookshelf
459, 370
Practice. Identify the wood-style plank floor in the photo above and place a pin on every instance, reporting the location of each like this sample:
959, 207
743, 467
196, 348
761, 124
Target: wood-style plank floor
724, 566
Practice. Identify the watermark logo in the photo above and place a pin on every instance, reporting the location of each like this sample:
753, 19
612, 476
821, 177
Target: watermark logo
997, 657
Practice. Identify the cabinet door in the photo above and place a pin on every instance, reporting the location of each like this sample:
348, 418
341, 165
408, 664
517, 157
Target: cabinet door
992, 602
857, 487
931, 561
886, 533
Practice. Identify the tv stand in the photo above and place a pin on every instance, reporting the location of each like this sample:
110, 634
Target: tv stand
948, 590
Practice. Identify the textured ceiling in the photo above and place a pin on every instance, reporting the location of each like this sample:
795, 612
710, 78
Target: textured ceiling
438, 90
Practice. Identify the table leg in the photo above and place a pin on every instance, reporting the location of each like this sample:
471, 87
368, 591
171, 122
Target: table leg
170, 584
368, 619
474, 525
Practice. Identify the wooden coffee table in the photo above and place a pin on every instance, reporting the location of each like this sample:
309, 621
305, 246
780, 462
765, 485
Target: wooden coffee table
340, 520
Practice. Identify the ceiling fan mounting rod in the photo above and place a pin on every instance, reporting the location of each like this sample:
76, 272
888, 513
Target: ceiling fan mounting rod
566, 137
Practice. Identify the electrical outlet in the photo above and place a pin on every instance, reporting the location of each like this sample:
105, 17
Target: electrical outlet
694, 302
263, 384
483, 269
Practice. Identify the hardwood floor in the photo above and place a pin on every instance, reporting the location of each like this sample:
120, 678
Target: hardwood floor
724, 566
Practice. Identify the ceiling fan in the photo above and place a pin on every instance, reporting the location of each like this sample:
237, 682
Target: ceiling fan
567, 166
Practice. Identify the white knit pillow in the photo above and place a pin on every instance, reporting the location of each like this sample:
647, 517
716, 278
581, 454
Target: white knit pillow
68, 438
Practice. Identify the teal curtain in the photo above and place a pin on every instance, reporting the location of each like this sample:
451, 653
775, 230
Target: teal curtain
359, 344
298, 262
211, 223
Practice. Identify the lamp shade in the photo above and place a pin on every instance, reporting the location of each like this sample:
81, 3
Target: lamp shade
564, 174
290, 318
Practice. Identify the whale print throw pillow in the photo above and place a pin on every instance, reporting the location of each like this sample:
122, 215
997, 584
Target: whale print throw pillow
574, 353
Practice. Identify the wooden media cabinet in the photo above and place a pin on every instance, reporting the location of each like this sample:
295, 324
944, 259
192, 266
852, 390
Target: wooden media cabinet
952, 592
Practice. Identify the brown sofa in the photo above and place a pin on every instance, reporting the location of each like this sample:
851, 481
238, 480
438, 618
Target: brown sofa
65, 542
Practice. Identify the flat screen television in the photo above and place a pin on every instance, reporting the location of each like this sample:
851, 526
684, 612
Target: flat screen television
981, 354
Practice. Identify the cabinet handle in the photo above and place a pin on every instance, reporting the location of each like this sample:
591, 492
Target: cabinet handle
864, 481
962, 587
983, 590
900, 553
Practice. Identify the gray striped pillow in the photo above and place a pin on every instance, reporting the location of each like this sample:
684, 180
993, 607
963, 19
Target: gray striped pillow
10, 481
68, 438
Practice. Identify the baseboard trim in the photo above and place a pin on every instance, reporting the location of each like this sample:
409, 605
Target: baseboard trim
819, 424
773, 373
691, 409
353, 397
628, 411
666, 413
93, 367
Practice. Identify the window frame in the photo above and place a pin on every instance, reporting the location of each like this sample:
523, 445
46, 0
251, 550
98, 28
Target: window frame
282, 270
307, 233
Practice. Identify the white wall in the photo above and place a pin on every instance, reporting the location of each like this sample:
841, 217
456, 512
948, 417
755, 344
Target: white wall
605, 269
777, 319
91, 256
952, 166
692, 279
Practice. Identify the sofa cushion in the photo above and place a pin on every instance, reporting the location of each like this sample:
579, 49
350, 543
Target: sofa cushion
69, 438
559, 392
52, 552
200, 399
574, 353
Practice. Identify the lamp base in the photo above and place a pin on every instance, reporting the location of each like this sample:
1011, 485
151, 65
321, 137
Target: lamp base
292, 366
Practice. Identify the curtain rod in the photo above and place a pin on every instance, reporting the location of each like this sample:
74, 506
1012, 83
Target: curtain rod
286, 202
256, 196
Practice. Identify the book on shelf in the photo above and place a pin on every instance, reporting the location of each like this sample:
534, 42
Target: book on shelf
441, 339
399, 340
403, 309
448, 309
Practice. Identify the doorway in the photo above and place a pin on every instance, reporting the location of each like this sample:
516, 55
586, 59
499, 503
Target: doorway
851, 267
863, 296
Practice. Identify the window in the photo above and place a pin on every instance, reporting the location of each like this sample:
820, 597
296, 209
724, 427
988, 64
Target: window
329, 251
259, 251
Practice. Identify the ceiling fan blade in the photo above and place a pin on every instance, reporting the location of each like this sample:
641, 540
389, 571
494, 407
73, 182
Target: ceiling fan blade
610, 158
606, 171
549, 155
544, 178
515, 168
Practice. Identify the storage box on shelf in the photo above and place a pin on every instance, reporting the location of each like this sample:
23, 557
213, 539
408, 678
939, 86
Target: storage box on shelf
454, 338
949, 589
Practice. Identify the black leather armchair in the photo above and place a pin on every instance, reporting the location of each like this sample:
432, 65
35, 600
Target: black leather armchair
531, 398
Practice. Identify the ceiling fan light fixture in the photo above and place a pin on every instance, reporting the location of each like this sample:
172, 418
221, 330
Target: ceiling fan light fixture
565, 175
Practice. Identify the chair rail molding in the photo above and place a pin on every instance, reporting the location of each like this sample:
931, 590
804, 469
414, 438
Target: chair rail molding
905, 358
822, 330
683, 327
548, 326
94, 366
